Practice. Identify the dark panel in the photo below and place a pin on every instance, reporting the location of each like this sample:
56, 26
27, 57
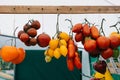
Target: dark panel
34, 67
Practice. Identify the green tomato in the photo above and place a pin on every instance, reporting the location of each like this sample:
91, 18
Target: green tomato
115, 53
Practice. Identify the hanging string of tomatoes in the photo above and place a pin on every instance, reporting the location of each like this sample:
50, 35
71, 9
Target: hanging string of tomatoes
63, 44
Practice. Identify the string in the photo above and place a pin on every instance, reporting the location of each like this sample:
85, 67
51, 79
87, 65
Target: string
13, 29
43, 22
28, 17
13, 23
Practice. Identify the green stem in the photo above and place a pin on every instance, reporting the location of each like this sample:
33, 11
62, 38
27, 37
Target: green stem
70, 32
101, 28
57, 25
14, 35
116, 27
86, 21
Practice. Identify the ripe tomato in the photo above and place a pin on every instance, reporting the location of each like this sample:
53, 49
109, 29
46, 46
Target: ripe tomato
77, 61
103, 42
70, 64
107, 53
71, 51
114, 41
90, 45
86, 30
77, 28
78, 37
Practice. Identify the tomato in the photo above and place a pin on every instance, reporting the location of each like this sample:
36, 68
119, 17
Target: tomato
71, 51
86, 30
36, 24
94, 32
95, 53
103, 42
43, 39
24, 37
90, 45
115, 53
78, 37
114, 41
70, 41
77, 61
107, 53
77, 28
70, 64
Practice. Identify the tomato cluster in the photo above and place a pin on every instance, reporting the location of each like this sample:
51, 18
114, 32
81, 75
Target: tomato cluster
95, 43
29, 33
73, 57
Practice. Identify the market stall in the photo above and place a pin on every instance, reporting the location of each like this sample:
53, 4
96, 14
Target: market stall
34, 65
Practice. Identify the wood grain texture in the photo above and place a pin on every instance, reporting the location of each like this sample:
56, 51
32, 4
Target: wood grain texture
22, 9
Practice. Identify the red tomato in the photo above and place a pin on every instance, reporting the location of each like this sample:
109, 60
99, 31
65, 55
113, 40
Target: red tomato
43, 40
86, 30
107, 53
114, 41
77, 28
77, 61
70, 64
78, 37
71, 51
24, 37
94, 32
95, 53
70, 41
36, 24
103, 42
90, 45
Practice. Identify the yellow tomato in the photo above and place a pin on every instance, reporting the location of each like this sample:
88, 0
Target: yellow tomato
63, 50
48, 58
62, 42
64, 35
115, 34
46, 52
57, 53
50, 52
53, 43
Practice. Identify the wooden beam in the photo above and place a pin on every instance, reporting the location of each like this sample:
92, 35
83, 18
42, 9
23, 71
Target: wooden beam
21, 9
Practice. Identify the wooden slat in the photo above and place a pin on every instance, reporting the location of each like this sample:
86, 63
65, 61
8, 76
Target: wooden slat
21, 9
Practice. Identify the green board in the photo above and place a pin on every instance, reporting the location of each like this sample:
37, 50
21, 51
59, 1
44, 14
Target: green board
34, 67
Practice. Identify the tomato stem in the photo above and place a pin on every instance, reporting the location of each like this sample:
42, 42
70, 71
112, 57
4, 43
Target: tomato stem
57, 25
101, 28
115, 25
70, 32
86, 21
14, 35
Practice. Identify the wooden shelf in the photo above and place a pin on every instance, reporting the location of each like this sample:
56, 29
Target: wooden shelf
22, 9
